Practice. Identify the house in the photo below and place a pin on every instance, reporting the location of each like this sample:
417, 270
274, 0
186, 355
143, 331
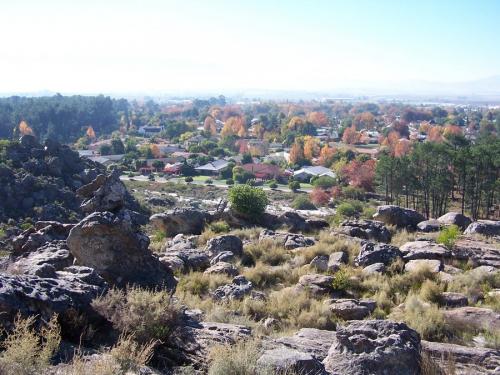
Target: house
213, 168
194, 140
306, 173
150, 130
278, 157
173, 169
107, 160
145, 171
86, 153
262, 171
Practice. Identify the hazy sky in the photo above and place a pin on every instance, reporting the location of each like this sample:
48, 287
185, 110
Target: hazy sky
126, 46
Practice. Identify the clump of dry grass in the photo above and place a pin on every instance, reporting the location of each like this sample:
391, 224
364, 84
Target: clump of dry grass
200, 284
400, 237
26, 351
203, 238
148, 315
247, 233
239, 359
430, 291
268, 251
475, 285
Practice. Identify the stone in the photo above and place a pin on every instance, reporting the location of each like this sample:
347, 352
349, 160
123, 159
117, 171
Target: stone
455, 218
43, 232
316, 284
285, 360
431, 225
398, 216
173, 262
351, 309
193, 259
222, 268
104, 193
224, 256
476, 251
297, 223
466, 360
374, 269
366, 229
474, 317
375, 347
161, 202
433, 265
270, 323
320, 262
377, 253
336, 260
110, 244
227, 242
239, 288
180, 220
289, 240
451, 299
314, 341
424, 250
485, 227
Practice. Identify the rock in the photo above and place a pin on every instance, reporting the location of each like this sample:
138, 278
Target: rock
316, 284
366, 229
466, 360
398, 216
180, 220
104, 193
225, 256
431, 225
335, 260
239, 288
285, 360
33, 295
484, 270
451, 299
288, 240
485, 227
270, 323
43, 232
29, 141
377, 253
193, 259
374, 268
424, 250
222, 268
433, 265
474, 317
161, 202
297, 223
478, 252
351, 309
173, 262
314, 341
320, 262
374, 347
455, 218
227, 242
109, 244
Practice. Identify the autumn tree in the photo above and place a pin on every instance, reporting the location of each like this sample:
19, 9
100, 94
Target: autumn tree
435, 134
326, 156
234, 125
24, 128
360, 174
296, 153
319, 196
318, 118
90, 133
351, 136
365, 120
209, 125
155, 150
311, 147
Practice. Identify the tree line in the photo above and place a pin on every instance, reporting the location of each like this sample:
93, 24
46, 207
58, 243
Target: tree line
434, 177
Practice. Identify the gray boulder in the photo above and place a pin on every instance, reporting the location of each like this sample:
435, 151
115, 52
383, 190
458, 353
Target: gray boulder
451, 299
104, 193
239, 288
474, 317
285, 360
424, 250
377, 253
289, 240
110, 244
220, 244
180, 220
455, 218
398, 216
477, 252
351, 309
366, 229
222, 268
314, 341
485, 227
316, 284
431, 225
375, 347
433, 265
374, 269
336, 260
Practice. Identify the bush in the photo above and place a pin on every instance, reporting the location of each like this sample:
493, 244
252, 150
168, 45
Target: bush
346, 209
219, 226
188, 179
209, 181
200, 284
229, 181
248, 201
324, 182
27, 352
302, 202
294, 185
240, 359
148, 315
273, 185
351, 192
448, 235
320, 197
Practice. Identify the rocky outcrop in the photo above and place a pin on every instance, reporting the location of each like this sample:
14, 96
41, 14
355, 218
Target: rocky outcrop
104, 193
474, 317
485, 227
374, 269
297, 223
366, 229
424, 250
431, 225
219, 244
466, 360
286, 360
372, 253
180, 220
110, 244
222, 268
455, 218
374, 347
398, 216
416, 265
314, 341
289, 240
37, 236
351, 309
316, 284
477, 252
239, 288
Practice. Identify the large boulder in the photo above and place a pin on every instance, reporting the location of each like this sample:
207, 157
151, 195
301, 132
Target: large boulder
180, 220
110, 244
431, 225
239, 288
476, 251
289, 240
398, 216
351, 309
417, 265
314, 341
485, 227
298, 223
222, 268
104, 193
366, 229
374, 347
227, 242
316, 284
474, 317
285, 360
37, 236
455, 218
424, 250
372, 253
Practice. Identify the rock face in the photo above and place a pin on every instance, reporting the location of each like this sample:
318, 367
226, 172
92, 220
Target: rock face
374, 347
477, 317
431, 225
297, 223
366, 229
398, 216
219, 244
455, 218
316, 284
180, 220
285, 360
43, 232
377, 253
478, 252
466, 360
289, 240
104, 193
239, 288
110, 244
314, 341
451, 299
222, 268
424, 250
351, 309
433, 265
485, 227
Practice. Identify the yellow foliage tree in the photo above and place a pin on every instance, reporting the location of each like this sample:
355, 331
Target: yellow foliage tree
25, 129
90, 132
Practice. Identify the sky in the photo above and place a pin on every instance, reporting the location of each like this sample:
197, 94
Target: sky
145, 46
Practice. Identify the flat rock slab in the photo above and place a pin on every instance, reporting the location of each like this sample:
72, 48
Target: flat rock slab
424, 250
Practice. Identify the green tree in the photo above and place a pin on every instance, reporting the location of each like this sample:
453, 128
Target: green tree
248, 201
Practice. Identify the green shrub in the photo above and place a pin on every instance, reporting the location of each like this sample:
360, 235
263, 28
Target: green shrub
448, 235
219, 226
248, 201
209, 181
273, 185
229, 181
324, 182
346, 209
188, 179
294, 186
302, 202
341, 280
240, 359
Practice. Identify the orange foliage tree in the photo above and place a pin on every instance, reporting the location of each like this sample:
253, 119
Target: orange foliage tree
90, 132
326, 156
317, 118
209, 125
296, 153
25, 129
234, 125
155, 150
351, 136
319, 196
360, 174
311, 147
435, 134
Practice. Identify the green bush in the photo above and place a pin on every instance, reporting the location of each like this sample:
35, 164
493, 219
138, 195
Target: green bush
219, 226
448, 235
188, 179
324, 182
248, 201
294, 185
302, 202
209, 181
273, 185
346, 209
229, 181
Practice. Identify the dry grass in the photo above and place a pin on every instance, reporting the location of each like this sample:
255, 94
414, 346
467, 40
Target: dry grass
247, 233
240, 359
475, 285
148, 315
200, 284
26, 351
268, 251
400, 237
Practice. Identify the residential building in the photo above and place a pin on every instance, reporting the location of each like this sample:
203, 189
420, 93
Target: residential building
305, 174
262, 171
213, 168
